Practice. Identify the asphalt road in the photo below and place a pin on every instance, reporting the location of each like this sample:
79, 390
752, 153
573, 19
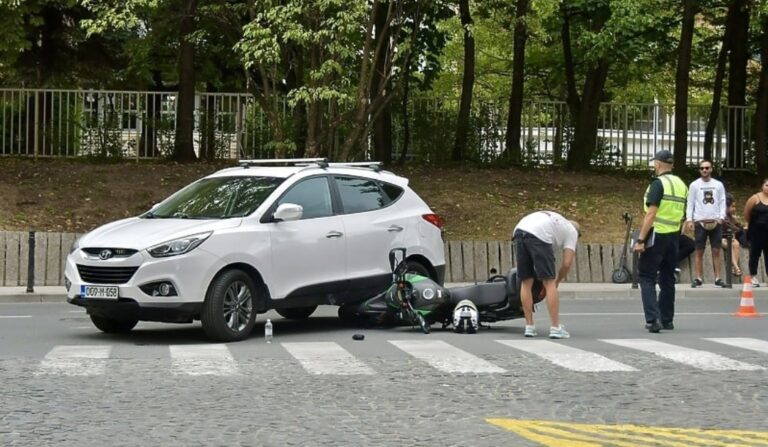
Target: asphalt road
65, 383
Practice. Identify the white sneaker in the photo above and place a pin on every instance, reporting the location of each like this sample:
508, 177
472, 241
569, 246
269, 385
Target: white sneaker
755, 282
530, 331
558, 332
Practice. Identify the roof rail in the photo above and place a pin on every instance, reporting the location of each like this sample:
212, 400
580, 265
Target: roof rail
373, 165
322, 162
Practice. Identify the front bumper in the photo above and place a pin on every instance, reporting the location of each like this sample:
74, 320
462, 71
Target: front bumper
190, 275
128, 309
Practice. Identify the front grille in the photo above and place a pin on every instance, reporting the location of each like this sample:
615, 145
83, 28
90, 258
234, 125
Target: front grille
106, 275
114, 252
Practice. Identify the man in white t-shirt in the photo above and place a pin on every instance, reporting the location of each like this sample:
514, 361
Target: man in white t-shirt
536, 237
705, 213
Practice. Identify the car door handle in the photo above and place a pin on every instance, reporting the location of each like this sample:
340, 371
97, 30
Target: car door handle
334, 234
395, 229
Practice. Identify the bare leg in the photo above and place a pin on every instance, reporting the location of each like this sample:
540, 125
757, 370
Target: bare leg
718, 261
526, 298
553, 301
735, 254
698, 260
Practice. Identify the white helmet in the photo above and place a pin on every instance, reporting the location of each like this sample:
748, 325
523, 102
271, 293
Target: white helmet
465, 317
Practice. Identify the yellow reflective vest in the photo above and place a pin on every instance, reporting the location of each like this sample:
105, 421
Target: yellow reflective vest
672, 206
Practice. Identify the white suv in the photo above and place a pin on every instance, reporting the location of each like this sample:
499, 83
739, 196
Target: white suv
252, 238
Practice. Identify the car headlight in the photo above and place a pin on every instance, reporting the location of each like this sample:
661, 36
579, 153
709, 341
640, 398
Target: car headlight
178, 246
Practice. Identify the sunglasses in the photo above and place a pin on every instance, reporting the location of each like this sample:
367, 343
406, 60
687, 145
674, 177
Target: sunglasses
705, 168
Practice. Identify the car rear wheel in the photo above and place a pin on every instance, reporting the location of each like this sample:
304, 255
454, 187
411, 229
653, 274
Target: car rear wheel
296, 313
228, 312
113, 326
416, 268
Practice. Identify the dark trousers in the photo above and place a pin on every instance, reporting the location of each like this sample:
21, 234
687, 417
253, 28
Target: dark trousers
758, 245
661, 258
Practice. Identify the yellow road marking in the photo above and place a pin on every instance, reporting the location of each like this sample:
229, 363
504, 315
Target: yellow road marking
555, 434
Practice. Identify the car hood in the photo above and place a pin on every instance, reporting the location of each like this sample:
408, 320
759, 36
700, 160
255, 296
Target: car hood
139, 234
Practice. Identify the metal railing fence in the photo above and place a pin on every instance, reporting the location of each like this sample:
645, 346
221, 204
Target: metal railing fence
141, 124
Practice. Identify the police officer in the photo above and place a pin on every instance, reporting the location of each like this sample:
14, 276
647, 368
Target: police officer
657, 242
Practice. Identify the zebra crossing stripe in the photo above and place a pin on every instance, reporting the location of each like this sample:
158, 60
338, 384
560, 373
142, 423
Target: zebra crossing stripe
75, 360
567, 356
201, 360
751, 344
440, 355
692, 357
326, 358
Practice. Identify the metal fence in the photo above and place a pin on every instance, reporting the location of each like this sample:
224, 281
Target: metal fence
141, 124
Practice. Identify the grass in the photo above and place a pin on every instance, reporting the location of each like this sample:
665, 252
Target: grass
475, 203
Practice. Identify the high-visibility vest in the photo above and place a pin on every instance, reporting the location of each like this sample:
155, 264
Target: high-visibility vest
671, 210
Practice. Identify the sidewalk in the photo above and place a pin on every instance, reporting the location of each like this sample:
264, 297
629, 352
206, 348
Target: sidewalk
608, 291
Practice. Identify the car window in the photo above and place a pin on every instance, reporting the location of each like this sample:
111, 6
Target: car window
392, 192
314, 195
217, 198
359, 194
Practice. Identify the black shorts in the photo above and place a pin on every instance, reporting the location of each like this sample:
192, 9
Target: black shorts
535, 258
701, 235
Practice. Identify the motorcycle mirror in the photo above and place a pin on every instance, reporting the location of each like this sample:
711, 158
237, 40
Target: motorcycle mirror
394, 259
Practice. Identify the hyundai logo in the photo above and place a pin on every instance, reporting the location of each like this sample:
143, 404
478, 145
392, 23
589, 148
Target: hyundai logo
105, 254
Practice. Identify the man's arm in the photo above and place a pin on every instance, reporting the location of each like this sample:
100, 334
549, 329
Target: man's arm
690, 201
645, 228
721, 203
568, 256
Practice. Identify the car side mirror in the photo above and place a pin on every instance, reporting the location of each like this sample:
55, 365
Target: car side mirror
288, 212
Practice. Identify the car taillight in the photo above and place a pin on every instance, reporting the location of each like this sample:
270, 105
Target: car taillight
434, 219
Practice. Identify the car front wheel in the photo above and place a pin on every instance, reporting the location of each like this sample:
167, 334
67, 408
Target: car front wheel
113, 326
228, 311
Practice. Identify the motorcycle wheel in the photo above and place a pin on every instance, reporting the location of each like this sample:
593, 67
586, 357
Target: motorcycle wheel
620, 275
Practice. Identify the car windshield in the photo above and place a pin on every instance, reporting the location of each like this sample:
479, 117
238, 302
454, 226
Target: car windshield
216, 198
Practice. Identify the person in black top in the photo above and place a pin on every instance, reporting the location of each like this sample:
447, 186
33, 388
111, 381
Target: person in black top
756, 216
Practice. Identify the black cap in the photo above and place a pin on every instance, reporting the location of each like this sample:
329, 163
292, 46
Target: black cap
664, 156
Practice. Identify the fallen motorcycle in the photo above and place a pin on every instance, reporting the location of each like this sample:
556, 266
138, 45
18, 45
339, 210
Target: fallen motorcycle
418, 301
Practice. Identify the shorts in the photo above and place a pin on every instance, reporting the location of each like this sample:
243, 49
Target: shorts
701, 235
535, 258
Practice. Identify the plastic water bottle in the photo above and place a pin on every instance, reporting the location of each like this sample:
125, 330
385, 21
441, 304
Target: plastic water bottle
268, 331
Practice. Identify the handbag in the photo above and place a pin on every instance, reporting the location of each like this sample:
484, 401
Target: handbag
708, 225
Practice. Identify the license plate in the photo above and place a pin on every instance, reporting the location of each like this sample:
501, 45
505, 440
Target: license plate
105, 292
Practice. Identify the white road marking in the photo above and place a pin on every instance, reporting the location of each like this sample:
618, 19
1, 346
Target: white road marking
567, 356
326, 358
752, 344
75, 360
14, 316
200, 360
693, 357
440, 355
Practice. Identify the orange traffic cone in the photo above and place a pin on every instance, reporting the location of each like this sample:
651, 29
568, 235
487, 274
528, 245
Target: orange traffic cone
747, 306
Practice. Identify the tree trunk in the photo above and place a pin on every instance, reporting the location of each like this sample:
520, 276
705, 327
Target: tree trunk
184, 149
682, 79
761, 114
585, 120
737, 82
717, 92
406, 121
465, 106
382, 127
514, 119
148, 141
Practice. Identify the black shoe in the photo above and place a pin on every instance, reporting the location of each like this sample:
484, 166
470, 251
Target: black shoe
653, 327
668, 326
719, 283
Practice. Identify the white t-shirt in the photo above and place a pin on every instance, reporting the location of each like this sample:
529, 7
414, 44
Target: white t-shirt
706, 200
551, 228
